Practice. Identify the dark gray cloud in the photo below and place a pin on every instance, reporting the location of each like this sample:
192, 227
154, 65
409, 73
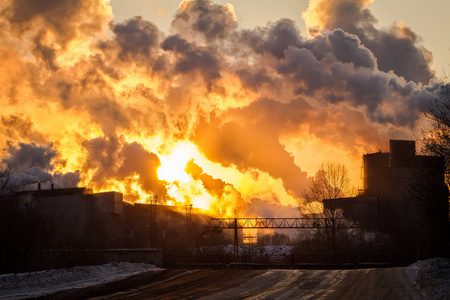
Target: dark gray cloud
254, 79
58, 16
396, 48
191, 59
347, 48
110, 158
67, 180
401, 53
31, 163
137, 160
212, 20
39, 174
176, 43
26, 156
273, 39
136, 38
304, 68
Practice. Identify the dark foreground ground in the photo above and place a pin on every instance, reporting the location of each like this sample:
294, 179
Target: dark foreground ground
387, 283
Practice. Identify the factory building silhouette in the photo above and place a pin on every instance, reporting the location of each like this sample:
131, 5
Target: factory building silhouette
397, 186
404, 195
102, 220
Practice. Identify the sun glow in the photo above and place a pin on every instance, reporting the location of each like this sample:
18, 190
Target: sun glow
173, 165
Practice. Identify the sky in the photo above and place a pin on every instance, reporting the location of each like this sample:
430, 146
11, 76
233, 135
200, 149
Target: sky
426, 18
226, 106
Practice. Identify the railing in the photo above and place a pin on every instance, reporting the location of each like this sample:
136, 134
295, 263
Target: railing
240, 223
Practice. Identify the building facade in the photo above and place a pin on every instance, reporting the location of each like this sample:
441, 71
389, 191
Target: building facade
404, 194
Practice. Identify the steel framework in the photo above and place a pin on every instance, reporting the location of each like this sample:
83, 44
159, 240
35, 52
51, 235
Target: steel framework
188, 224
153, 231
285, 223
216, 224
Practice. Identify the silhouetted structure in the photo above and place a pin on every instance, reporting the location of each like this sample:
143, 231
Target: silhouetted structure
404, 195
80, 217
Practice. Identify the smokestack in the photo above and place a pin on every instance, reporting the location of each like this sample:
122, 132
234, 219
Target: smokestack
39, 186
53, 186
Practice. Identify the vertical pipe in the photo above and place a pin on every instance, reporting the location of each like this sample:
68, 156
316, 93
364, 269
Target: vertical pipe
236, 240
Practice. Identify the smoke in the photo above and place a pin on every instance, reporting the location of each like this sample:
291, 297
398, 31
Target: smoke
211, 20
27, 164
67, 180
107, 105
396, 48
111, 158
135, 39
27, 156
229, 198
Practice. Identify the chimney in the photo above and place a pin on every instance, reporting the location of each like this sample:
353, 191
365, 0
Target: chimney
53, 186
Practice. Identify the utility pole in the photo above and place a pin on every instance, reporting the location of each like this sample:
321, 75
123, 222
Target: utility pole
153, 201
188, 224
236, 237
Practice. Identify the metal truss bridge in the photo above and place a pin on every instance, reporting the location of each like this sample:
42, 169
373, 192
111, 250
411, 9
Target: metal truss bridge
218, 224
282, 223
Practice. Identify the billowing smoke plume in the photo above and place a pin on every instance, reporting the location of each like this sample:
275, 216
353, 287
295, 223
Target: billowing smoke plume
210, 114
397, 48
112, 159
29, 164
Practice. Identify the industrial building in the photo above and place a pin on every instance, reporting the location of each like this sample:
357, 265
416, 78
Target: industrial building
404, 194
83, 219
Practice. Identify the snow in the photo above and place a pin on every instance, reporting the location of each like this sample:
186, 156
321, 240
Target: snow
433, 278
35, 284
273, 253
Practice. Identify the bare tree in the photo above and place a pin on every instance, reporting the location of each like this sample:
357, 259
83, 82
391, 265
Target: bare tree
436, 141
329, 184
426, 186
23, 229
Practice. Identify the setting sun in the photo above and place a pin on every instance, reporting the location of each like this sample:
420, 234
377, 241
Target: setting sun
173, 165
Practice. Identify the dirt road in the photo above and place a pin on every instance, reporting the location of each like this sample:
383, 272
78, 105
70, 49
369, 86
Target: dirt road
388, 283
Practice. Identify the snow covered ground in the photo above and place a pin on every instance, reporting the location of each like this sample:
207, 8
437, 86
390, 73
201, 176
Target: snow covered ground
273, 253
36, 284
432, 277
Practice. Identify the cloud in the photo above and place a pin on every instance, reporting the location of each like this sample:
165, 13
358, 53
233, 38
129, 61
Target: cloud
273, 39
67, 180
347, 48
191, 60
396, 48
211, 20
135, 38
212, 185
110, 158
137, 160
19, 127
26, 156
229, 199
249, 146
30, 163
99, 103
